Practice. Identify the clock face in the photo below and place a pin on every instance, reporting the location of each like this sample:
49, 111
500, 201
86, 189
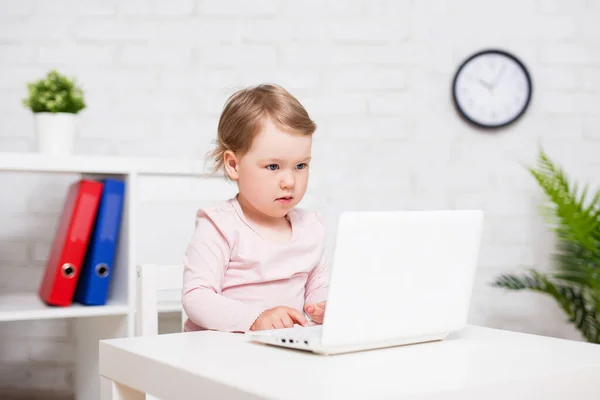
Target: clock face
492, 89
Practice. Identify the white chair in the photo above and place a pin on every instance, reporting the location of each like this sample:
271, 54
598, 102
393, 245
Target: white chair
151, 280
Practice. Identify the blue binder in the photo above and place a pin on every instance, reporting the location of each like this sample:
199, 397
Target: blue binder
97, 269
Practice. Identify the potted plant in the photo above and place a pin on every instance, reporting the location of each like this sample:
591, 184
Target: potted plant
575, 281
55, 101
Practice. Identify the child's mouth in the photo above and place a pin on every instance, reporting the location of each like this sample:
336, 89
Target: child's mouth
285, 199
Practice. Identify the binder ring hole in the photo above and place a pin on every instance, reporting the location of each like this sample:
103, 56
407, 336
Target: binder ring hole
102, 270
68, 270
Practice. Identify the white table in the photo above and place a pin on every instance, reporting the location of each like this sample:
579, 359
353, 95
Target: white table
477, 363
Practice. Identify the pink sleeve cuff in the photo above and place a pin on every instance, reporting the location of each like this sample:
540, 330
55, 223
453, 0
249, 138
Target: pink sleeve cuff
317, 296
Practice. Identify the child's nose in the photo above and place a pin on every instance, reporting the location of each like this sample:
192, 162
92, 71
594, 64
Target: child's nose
287, 180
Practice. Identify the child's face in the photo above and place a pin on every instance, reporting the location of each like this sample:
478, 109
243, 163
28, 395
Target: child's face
273, 175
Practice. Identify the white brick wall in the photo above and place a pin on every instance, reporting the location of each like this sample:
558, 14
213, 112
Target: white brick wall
375, 75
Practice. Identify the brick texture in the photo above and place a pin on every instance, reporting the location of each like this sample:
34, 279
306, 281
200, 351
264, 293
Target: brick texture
376, 77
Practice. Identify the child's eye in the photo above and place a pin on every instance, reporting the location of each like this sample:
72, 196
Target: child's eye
272, 167
301, 166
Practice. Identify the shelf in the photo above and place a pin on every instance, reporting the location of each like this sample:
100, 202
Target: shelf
91, 164
117, 319
28, 306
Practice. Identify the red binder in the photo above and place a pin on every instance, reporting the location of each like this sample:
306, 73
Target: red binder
70, 242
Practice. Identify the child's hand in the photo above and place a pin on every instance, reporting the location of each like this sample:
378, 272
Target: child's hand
316, 311
278, 317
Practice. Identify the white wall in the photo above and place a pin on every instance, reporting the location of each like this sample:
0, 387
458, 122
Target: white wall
375, 75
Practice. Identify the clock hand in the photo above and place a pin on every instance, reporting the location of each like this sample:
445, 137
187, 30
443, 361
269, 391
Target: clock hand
485, 84
499, 75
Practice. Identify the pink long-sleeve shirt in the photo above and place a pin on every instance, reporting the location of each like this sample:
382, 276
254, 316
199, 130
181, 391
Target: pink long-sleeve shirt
231, 274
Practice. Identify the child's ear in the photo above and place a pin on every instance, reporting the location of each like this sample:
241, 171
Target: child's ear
231, 164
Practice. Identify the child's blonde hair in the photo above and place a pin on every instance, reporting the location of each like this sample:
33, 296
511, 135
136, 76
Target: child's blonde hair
244, 113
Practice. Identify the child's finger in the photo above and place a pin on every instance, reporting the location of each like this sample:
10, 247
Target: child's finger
297, 316
315, 309
319, 310
287, 321
278, 324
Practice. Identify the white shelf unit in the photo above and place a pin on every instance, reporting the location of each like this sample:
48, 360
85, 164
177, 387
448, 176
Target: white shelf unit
117, 318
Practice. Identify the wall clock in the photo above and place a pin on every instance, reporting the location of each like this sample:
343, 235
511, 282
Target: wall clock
491, 89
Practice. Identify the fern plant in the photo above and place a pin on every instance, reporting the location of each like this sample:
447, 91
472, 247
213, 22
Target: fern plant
55, 93
574, 217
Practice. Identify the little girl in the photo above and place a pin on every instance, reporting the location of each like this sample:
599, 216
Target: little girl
256, 262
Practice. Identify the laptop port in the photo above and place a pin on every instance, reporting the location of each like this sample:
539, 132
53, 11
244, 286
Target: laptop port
282, 340
306, 342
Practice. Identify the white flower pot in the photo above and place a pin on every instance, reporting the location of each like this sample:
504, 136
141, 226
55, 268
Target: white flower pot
55, 132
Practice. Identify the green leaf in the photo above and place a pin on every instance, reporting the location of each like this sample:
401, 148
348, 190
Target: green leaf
574, 217
55, 93
571, 300
573, 220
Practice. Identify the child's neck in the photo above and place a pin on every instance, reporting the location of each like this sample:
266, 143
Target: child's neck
251, 213
276, 229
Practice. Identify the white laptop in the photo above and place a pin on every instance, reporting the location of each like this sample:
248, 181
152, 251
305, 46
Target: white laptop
397, 277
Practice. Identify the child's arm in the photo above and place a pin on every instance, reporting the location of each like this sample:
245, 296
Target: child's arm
317, 284
204, 267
